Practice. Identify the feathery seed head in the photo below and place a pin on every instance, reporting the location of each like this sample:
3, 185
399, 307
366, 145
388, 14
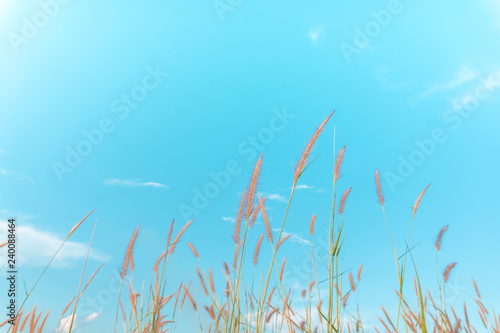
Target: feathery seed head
307, 151
252, 188
447, 271
379, 188
257, 249
129, 255
342, 201
311, 227
241, 212
418, 201
440, 237
340, 158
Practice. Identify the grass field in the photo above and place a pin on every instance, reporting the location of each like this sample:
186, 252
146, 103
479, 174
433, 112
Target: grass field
262, 302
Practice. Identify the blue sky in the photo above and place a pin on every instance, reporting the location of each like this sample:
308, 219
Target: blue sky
174, 92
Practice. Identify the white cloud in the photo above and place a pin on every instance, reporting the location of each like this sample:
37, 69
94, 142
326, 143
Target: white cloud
133, 183
65, 323
303, 187
92, 316
277, 197
295, 238
463, 75
16, 175
36, 247
228, 219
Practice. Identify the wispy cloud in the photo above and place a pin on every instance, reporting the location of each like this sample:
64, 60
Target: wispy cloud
471, 96
304, 187
228, 219
493, 9
309, 187
277, 197
295, 238
39, 246
16, 175
463, 75
133, 183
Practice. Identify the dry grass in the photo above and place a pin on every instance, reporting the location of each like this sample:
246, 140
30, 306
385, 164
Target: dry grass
262, 302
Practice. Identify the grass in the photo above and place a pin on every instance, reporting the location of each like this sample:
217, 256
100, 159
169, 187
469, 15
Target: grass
263, 303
